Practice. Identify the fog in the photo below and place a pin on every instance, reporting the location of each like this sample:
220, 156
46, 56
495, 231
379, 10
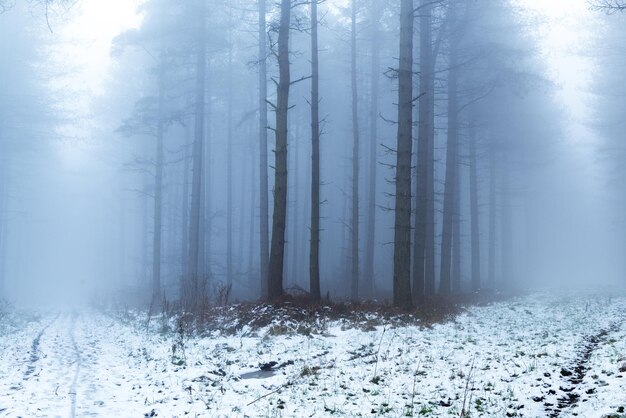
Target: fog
532, 91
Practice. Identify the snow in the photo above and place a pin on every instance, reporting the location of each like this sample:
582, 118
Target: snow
505, 359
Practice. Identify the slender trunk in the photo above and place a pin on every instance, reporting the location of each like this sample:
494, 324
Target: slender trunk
158, 187
229, 163
457, 244
185, 203
314, 263
429, 250
252, 209
293, 244
506, 220
263, 186
145, 231
207, 215
190, 295
277, 251
474, 215
421, 182
368, 267
402, 238
354, 285
492, 218
239, 271
445, 286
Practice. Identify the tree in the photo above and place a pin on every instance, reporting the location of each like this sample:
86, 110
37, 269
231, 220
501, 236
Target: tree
474, 214
158, 184
402, 224
277, 249
370, 239
422, 286
314, 262
609, 6
190, 294
263, 180
354, 287
450, 192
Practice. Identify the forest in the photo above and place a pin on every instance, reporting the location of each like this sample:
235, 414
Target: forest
312, 208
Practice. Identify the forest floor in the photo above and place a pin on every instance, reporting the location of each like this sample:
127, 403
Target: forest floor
539, 355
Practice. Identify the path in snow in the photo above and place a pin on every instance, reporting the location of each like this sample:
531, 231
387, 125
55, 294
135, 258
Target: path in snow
567, 396
61, 370
537, 356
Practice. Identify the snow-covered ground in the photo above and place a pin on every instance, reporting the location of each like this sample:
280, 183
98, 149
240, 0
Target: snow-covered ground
535, 356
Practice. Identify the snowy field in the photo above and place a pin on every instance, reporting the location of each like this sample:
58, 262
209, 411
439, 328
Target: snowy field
536, 356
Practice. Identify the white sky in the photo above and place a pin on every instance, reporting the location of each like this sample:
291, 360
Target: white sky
86, 41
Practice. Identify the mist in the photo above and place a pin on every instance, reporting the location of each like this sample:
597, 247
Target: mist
173, 158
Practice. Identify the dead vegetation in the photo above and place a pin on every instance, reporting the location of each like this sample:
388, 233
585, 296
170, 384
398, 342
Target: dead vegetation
300, 315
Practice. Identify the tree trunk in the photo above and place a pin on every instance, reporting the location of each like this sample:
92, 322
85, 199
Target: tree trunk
492, 217
445, 285
506, 229
263, 185
190, 294
185, 208
402, 238
293, 243
354, 283
421, 182
229, 162
252, 280
368, 267
277, 251
207, 215
457, 244
474, 215
314, 263
158, 186
429, 251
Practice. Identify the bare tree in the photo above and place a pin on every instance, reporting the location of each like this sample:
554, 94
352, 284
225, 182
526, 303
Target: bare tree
474, 214
450, 192
608, 6
191, 287
277, 249
370, 239
158, 185
354, 240
314, 262
402, 239
263, 180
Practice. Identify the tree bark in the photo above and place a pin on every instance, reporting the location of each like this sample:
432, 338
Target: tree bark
314, 266
158, 185
445, 285
185, 208
229, 162
426, 90
474, 215
492, 217
263, 161
277, 251
354, 283
506, 229
370, 240
190, 294
457, 243
402, 234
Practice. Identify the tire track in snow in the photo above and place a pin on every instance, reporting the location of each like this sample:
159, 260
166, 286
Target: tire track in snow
34, 351
78, 362
569, 397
